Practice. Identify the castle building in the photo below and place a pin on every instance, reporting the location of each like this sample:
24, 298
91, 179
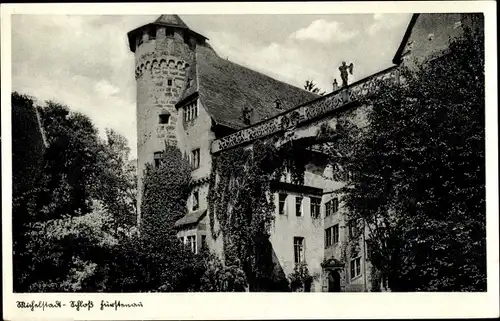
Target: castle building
187, 95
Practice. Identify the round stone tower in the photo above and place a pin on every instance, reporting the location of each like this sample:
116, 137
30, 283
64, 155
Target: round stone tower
164, 50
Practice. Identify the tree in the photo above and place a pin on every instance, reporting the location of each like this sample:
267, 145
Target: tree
310, 85
118, 180
417, 173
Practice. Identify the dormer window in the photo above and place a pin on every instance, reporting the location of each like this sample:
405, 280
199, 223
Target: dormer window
247, 115
277, 103
191, 111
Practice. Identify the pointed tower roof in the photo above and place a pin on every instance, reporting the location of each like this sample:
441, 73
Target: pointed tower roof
171, 20
168, 20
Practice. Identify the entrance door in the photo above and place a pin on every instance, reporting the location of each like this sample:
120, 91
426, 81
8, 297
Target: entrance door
334, 282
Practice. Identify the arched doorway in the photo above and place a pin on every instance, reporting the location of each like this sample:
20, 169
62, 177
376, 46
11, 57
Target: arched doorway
334, 281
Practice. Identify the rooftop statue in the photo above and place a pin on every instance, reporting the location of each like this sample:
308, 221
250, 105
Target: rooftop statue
343, 72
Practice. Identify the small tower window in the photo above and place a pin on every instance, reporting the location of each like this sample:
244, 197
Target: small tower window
157, 159
164, 119
169, 82
152, 33
169, 33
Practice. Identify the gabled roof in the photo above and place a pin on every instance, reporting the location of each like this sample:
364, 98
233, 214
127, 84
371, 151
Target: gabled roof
191, 218
398, 56
226, 89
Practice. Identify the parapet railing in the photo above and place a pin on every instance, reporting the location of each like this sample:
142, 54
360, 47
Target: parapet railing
308, 111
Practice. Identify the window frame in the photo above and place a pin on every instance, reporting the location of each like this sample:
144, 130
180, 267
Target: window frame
282, 203
355, 267
196, 196
335, 233
195, 158
328, 237
191, 241
315, 207
298, 206
299, 243
191, 111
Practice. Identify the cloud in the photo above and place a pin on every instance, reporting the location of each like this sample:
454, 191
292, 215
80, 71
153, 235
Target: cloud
383, 21
79, 61
105, 88
324, 32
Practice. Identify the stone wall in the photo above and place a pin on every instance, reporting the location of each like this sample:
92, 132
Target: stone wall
161, 67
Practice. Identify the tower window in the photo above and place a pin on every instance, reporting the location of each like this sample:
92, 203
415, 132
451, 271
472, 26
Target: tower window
169, 82
164, 118
157, 159
169, 33
152, 33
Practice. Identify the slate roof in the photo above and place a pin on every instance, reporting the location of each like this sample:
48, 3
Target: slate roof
226, 89
191, 218
171, 20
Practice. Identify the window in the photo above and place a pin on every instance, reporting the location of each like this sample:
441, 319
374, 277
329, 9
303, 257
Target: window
352, 228
191, 111
203, 240
157, 159
164, 118
191, 242
169, 82
152, 33
355, 267
196, 201
298, 206
335, 233
332, 206
281, 203
315, 207
195, 158
328, 237
169, 33
332, 235
298, 249
328, 209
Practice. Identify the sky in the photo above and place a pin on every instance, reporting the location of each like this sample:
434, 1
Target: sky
84, 61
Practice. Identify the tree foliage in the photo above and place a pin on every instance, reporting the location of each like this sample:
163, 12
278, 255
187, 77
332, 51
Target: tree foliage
311, 86
418, 173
